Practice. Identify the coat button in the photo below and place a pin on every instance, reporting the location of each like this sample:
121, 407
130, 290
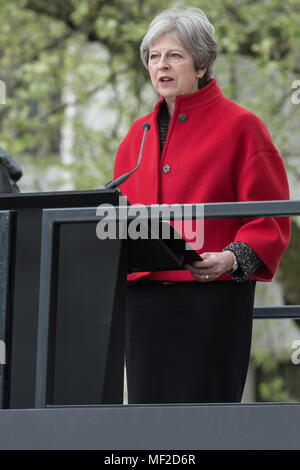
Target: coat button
182, 117
166, 168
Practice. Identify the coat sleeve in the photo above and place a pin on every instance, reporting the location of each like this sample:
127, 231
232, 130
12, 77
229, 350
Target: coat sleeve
263, 177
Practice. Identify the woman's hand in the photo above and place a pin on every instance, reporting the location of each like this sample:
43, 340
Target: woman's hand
213, 265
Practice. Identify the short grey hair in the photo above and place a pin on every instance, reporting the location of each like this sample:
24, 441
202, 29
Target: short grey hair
191, 28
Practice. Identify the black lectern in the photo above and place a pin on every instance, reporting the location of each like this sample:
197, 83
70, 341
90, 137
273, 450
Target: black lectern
21, 234
64, 318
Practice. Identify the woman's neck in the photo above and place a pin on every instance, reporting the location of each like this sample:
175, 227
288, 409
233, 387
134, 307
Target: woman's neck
171, 106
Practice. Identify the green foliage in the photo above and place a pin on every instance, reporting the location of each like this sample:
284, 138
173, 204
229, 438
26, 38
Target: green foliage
290, 263
277, 378
46, 54
273, 390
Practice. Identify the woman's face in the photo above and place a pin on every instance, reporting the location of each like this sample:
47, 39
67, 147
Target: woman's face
171, 68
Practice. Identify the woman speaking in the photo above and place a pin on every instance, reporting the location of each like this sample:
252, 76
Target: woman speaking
188, 334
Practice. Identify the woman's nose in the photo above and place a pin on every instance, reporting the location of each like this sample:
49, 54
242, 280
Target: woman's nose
163, 63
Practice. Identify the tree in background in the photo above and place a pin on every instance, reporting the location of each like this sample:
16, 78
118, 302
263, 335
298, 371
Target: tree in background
51, 51
74, 49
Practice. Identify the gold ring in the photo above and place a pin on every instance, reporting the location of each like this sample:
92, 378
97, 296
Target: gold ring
206, 275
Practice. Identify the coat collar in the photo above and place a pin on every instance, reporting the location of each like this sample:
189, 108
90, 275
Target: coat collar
199, 99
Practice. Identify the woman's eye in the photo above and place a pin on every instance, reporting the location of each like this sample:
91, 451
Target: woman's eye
175, 54
153, 56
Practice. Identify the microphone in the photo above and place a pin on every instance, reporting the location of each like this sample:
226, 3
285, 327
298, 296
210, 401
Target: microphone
114, 184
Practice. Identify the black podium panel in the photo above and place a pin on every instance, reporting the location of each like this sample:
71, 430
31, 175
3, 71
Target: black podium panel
82, 325
6, 248
20, 283
25, 302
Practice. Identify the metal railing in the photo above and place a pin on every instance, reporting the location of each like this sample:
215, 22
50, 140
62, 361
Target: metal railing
211, 211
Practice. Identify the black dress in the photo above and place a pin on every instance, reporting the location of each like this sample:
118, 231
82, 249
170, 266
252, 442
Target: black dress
188, 342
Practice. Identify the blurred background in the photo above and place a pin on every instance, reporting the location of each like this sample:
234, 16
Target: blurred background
72, 83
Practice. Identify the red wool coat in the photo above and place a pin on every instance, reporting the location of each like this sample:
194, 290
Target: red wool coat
218, 152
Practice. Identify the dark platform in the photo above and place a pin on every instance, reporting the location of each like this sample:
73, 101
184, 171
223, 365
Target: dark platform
185, 427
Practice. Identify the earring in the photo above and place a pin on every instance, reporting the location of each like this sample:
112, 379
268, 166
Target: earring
199, 75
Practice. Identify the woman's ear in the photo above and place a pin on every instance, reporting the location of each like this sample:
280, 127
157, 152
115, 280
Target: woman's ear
200, 73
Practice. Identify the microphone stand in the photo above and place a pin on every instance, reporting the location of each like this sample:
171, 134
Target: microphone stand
114, 184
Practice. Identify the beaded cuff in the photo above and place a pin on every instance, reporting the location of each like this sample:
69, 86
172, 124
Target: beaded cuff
247, 259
